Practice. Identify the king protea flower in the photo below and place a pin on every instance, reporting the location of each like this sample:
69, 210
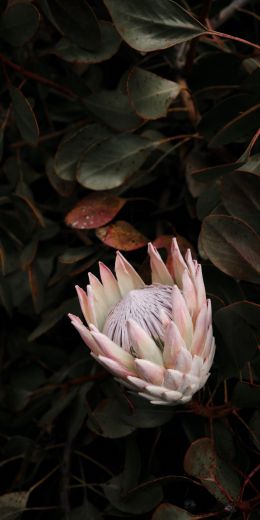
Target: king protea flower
156, 339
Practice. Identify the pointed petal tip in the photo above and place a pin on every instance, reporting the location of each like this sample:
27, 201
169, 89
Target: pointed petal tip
73, 318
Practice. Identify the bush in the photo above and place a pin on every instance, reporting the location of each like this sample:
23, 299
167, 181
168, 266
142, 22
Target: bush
123, 122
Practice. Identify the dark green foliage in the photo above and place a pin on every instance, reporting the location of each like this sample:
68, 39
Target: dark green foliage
123, 122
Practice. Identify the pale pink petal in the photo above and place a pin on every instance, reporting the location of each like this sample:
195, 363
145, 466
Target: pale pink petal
113, 351
163, 393
191, 380
173, 343
200, 287
164, 318
161, 403
208, 362
95, 311
84, 333
174, 380
196, 367
128, 278
209, 312
136, 381
101, 306
203, 381
200, 331
87, 306
178, 264
114, 367
172, 396
185, 399
207, 345
160, 273
151, 372
183, 361
143, 344
156, 391
192, 264
113, 295
181, 316
189, 292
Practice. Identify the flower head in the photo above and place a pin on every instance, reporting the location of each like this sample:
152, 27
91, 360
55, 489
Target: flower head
156, 339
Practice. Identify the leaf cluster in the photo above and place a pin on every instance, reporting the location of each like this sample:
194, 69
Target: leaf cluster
123, 122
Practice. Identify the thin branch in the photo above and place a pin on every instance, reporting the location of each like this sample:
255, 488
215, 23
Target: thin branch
235, 38
37, 77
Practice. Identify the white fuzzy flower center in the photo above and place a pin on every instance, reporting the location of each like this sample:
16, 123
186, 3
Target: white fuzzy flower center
143, 306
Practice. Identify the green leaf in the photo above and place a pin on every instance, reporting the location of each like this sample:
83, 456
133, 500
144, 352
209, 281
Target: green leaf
138, 502
110, 163
252, 165
75, 254
240, 342
232, 246
149, 26
24, 116
150, 94
24, 192
51, 318
19, 23
109, 45
171, 512
108, 420
208, 200
113, 108
78, 23
201, 461
87, 510
13, 504
73, 145
246, 396
239, 129
240, 195
254, 426
222, 113
5, 295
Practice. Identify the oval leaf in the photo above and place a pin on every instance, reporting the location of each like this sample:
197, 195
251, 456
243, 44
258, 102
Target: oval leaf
13, 504
232, 246
150, 94
108, 420
240, 341
239, 129
149, 26
94, 211
108, 164
78, 23
171, 512
113, 107
217, 477
19, 23
109, 45
24, 117
73, 145
241, 196
121, 235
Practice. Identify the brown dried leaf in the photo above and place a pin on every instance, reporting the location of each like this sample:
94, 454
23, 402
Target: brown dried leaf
121, 235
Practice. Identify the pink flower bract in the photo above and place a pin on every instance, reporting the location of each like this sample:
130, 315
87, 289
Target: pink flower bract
156, 339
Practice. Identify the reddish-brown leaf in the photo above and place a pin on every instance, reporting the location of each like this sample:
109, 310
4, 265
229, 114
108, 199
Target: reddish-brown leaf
121, 235
95, 210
